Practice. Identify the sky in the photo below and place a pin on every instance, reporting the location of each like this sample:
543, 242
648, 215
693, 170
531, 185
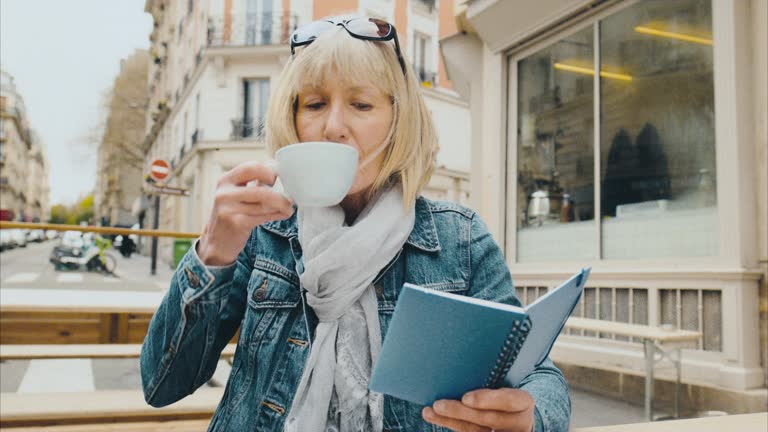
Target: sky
64, 55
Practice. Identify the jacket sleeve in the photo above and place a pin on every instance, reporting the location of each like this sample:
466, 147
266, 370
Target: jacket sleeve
196, 319
490, 279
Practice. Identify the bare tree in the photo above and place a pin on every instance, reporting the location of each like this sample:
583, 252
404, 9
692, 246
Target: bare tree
121, 142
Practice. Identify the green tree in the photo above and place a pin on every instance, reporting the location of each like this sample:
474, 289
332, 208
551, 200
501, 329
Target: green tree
84, 210
59, 214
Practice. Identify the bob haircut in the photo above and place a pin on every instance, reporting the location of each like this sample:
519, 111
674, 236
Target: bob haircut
336, 55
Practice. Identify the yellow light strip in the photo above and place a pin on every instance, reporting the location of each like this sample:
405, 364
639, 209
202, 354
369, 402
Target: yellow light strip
587, 71
672, 35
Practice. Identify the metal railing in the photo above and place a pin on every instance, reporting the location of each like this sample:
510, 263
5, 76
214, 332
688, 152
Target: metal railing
251, 29
426, 5
246, 128
96, 229
426, 77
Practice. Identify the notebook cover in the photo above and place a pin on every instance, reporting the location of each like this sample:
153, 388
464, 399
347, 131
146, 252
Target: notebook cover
441, 345
548, 315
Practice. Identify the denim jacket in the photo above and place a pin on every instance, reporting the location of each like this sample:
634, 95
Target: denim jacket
449, 249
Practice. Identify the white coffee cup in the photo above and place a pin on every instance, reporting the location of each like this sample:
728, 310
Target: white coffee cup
315, 174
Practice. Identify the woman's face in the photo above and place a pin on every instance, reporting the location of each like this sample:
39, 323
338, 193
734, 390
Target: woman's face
356, 114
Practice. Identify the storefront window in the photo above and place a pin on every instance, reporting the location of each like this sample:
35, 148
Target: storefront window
657, 133
656, 139
555, 163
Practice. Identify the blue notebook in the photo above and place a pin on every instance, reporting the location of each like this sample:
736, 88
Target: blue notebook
441, 345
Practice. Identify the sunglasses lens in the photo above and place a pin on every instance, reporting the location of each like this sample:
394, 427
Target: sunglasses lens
370, 27
310, 31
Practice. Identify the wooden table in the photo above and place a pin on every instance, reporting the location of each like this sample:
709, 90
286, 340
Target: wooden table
654, 339
54, 316
103, 406
56, 300
733, 423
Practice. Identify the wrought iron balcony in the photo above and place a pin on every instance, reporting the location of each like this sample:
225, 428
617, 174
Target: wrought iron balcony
251, 29
426, 78
426, 5
244, 128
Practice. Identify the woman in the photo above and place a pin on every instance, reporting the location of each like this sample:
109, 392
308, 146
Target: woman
312, 290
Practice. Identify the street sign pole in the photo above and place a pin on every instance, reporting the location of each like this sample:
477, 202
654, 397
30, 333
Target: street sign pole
159, 171
155, 226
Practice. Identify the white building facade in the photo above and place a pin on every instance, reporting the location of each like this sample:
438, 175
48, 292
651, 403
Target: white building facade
213, 66
24, 188
652, 171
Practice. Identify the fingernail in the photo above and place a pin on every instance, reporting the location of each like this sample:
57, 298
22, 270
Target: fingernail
439, 406
469, 398
426, 412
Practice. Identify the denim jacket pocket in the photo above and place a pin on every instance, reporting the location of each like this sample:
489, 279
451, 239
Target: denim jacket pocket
270, 297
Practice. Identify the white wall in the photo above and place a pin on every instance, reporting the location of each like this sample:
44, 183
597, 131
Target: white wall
452, 121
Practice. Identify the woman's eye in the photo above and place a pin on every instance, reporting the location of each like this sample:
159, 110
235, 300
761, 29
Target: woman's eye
315, 105
362, 106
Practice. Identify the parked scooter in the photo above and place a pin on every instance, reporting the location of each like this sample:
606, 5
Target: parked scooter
126, 246
90, 256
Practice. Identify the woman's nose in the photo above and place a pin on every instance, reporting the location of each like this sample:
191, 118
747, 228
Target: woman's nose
335, 126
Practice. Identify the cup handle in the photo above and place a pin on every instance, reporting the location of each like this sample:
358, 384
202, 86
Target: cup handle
278, 186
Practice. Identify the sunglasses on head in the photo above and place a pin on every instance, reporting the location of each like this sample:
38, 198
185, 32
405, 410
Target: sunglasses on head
370, 29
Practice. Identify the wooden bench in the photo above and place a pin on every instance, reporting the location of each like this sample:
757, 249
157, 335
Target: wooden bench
92, 351
66, 324
58, 316
101, 407
654, 340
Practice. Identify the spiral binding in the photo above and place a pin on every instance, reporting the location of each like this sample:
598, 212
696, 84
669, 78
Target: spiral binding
509, 352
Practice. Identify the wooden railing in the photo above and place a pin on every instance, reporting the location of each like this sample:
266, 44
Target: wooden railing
96, 229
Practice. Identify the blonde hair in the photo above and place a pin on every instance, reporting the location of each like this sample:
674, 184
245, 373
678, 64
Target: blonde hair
410, 156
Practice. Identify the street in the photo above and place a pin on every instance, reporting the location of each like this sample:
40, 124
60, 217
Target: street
29, 268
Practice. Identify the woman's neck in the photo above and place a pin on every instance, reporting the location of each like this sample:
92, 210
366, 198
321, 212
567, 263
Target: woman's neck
353, 205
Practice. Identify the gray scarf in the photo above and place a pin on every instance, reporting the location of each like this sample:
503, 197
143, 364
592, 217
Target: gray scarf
340, 263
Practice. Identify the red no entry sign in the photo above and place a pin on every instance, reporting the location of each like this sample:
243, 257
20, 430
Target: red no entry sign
159, 170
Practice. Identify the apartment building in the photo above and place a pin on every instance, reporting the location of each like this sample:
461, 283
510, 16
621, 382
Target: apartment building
24, 189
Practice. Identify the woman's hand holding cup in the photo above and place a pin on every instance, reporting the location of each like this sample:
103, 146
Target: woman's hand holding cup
243, 200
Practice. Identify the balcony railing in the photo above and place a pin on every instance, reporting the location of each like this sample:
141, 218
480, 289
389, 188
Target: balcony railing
426, 78
251, 29
426, 5
247, 128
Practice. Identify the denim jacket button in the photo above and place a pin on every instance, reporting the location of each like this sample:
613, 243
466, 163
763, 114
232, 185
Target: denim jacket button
260, 294
194, 281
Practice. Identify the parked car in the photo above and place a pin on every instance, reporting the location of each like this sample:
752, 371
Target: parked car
51, 234
6, 239
19, 237
35, 235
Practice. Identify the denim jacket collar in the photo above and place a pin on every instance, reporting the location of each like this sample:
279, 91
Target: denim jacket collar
423, 236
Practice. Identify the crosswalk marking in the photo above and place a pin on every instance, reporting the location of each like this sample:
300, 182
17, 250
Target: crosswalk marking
70, 278
111, 279
21, 278
58, 375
